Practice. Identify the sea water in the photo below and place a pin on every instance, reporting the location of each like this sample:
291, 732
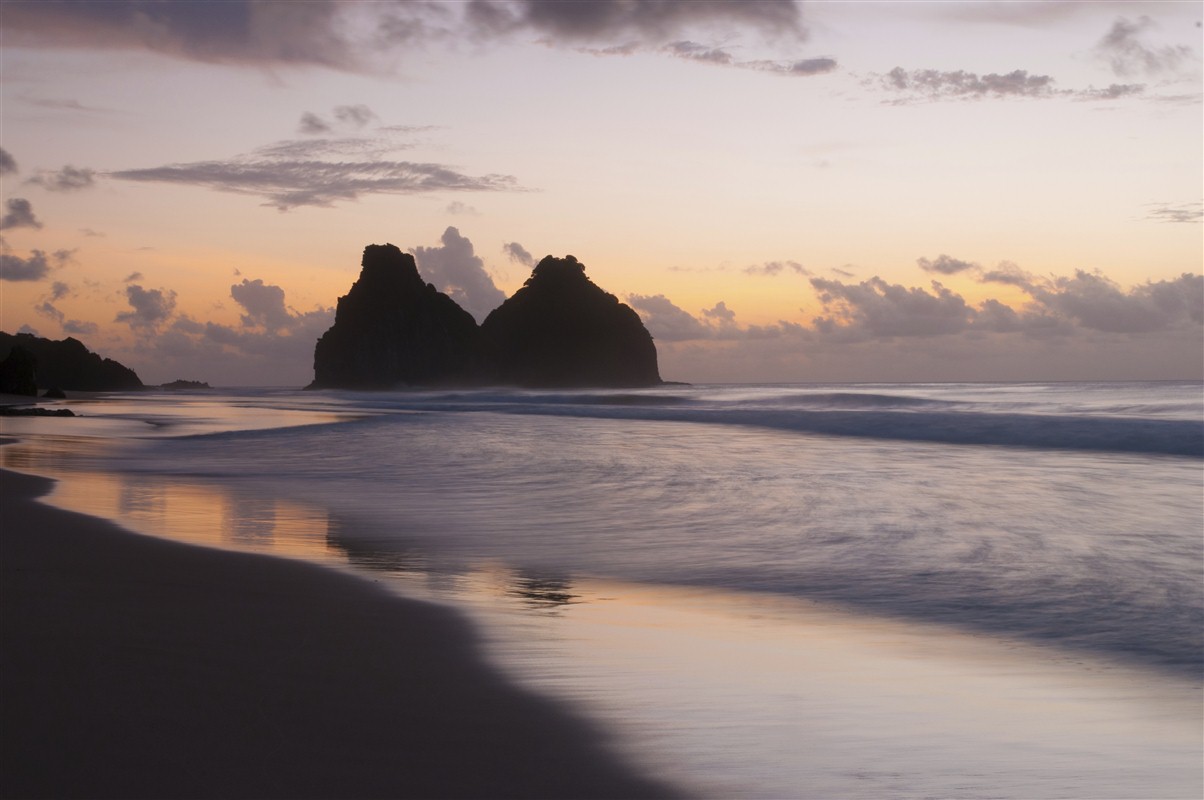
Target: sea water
777, 591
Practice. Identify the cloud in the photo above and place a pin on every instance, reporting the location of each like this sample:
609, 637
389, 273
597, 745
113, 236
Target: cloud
645, 20
1123, 48
231, 32
456, 208
771, 268
1008, 274
311, 123
149, 308
263, 304
717, 56
47, 309
59, 290
945, 265
455, 269
1095, 302
77, 327
15, 268
287, 184
1184, 212
34, 268
666, 321
133, 276
877, 309
67, 179
354, 117
8, 164
519, 253
959, 84
20, 215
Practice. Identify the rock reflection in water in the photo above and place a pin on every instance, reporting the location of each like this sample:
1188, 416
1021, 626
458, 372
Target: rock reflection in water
543, 593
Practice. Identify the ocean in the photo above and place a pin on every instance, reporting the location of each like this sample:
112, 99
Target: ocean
926, 590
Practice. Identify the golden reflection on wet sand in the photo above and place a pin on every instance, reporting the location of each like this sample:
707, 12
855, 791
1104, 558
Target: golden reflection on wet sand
736, 693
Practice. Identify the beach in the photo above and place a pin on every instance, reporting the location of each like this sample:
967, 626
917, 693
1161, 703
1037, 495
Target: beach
135, 667
512, 593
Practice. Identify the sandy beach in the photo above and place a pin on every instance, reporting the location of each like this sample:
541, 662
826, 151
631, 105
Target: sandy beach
136, 667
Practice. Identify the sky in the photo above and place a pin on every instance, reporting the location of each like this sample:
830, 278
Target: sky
784, 191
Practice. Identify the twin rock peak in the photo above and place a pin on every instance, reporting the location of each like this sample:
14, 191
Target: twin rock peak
559, 330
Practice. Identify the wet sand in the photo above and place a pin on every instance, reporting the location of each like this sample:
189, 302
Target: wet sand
137, 667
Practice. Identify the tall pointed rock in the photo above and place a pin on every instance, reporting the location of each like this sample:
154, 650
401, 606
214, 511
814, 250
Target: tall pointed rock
392, 329
561, 330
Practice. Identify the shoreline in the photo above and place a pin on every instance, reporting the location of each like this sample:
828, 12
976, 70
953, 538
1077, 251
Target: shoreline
137, 667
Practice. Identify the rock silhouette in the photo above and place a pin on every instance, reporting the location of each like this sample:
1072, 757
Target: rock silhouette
68, 365
559, 330
562, 330
393, 329
18, 373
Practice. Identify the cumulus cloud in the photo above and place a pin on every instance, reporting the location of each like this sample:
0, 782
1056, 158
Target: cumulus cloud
1095, 302
59, 290
8, 164
879, 309
1125, 50
15, 268
149, 308
67, 179
34, 268
455, 269
518, 253
20, 214
945, 265
263, 304
666, 321
273, 344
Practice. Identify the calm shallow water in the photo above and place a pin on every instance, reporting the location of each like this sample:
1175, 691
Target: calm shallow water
760, 605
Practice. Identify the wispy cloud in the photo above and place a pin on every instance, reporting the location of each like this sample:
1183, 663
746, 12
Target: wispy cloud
295, 173
772, 268
518, 253
67, 179
1126, 50
931, 85
1182, 212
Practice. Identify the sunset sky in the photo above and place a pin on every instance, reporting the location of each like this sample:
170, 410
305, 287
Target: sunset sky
811, 191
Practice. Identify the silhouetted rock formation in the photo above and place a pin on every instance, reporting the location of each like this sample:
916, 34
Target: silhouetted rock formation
392, 329
68, 365
18, 373
182, 385
561, 330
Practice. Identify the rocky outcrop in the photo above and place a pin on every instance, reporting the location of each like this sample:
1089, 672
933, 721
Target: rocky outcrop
68, 365
562, 330
18, 373
558, 331
393, 329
